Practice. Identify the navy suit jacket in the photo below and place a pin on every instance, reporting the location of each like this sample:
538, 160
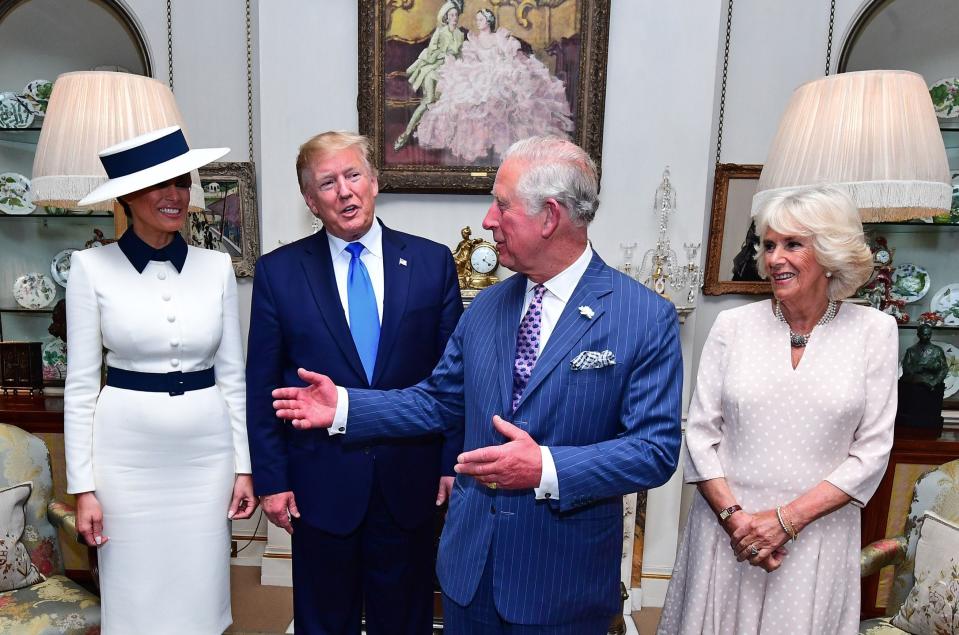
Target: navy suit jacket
298, 321
611, 431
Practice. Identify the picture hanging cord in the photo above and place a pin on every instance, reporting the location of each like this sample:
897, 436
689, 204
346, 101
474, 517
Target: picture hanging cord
722, 94
169, 41
249, 85
832, 20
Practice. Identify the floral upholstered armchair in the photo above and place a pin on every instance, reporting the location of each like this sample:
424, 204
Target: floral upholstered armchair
50, 603
937, 492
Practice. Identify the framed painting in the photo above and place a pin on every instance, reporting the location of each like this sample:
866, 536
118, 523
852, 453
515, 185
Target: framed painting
446, 86
229, 221
730, 254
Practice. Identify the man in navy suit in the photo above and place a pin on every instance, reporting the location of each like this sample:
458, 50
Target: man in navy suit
567, 382
370, 307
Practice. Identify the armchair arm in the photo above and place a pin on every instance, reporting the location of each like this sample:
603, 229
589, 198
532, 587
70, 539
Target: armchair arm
63, 516
882, 553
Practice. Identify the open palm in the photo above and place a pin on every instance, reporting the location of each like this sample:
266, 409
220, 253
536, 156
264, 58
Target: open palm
311, 406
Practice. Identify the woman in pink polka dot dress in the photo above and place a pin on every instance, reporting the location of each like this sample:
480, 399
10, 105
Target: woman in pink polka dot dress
788, 435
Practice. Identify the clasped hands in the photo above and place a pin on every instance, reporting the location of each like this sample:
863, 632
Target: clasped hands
760, 531
516, 464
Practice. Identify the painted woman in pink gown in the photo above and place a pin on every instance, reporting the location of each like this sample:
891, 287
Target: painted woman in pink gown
492, 96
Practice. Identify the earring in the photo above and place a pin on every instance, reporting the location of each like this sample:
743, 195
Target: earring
829, 274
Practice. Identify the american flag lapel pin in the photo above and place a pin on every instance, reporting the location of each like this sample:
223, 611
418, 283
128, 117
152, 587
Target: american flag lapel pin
403, 261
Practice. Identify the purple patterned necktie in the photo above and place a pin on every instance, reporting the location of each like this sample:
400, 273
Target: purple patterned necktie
527, 344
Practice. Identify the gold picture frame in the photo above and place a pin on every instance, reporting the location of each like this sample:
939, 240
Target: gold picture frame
569, 37
729, 233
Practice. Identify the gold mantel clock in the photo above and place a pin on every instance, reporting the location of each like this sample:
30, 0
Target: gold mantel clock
476, 261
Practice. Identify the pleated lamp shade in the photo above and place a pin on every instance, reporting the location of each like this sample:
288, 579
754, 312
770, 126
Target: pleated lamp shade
872, 133
87, 112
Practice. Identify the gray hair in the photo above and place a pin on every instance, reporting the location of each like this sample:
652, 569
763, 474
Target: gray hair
559, 169
829, 216
326, 143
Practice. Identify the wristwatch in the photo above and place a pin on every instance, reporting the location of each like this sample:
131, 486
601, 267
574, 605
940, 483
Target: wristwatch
729, 511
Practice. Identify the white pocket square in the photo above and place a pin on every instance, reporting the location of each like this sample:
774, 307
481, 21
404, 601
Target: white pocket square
591, 360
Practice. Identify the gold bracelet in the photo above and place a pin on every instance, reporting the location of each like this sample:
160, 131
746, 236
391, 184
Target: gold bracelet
785, 524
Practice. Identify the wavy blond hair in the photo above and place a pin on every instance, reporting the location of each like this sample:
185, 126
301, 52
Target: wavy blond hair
828, 215
325, 144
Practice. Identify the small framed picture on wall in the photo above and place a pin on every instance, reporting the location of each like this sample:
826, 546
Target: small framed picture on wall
228, 222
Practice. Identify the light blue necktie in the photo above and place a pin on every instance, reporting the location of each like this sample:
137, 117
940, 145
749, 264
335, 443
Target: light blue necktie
364, 318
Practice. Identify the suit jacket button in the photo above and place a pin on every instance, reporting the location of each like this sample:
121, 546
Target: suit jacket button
366, 450
492, 509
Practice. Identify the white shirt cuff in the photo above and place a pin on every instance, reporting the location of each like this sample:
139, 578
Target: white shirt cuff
342, 411
549, 482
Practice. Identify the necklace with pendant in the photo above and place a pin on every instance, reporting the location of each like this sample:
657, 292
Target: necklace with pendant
798, 340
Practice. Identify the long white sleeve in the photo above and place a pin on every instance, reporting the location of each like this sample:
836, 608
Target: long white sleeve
230, 371
859, 475
84, 364
704, 426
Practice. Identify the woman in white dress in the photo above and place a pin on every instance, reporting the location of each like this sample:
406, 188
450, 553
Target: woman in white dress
788, 435
158, 458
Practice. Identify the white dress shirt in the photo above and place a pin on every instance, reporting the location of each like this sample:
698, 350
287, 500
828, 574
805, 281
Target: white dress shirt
372, 257
559, 288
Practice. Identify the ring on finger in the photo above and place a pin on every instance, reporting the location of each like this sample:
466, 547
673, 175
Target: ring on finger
492, 485
753, 551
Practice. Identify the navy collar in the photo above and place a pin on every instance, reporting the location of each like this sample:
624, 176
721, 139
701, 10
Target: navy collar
139, 253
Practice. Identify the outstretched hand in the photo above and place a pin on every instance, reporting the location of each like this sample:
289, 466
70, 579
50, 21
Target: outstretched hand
311, 406
517, 464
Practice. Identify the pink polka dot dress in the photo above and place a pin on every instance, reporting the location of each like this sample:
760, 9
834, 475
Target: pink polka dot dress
774, 432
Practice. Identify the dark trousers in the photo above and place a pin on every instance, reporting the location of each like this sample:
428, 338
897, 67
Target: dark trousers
480, 616
381, 566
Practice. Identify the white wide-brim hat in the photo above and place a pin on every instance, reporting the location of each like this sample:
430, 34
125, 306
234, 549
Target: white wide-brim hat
146, 160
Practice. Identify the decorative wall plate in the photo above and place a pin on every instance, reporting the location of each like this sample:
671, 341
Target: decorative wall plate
34, 291
60, 267
16, 196
36, 95
952, 378
910, 283
14, 112
945, 97
54, 356
946, 302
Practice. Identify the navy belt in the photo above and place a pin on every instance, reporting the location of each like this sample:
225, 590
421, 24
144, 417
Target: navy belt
175, 383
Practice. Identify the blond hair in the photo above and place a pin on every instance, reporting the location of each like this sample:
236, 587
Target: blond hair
827, 215
325, 144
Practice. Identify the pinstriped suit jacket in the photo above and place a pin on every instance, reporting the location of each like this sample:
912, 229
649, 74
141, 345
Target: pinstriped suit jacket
611, 431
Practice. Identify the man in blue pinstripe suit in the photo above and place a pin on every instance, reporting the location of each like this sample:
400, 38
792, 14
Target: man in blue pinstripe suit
567, 380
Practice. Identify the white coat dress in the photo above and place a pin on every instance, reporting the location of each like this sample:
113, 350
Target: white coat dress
161, 466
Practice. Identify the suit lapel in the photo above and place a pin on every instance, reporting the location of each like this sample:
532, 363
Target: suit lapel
318, 267
507, 323
572, 325
396, 286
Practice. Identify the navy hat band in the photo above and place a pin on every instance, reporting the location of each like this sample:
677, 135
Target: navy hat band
146, 155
